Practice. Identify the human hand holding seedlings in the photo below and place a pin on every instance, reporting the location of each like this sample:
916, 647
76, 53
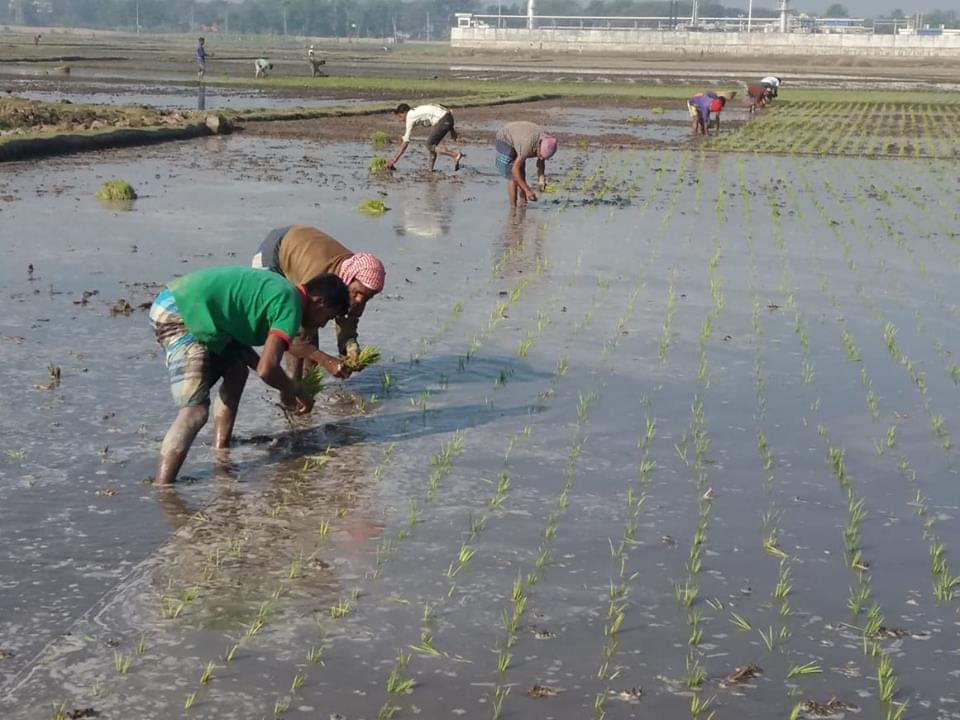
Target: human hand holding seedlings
292, 394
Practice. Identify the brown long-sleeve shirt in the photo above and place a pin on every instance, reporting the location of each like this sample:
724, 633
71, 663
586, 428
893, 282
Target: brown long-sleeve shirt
306, 252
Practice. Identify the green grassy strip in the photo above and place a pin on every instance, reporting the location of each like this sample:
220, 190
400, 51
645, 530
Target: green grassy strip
441, 86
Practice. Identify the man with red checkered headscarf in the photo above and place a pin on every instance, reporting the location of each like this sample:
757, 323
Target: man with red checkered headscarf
296, 252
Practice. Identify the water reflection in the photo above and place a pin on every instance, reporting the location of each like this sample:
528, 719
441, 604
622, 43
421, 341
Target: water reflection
201, 97
522, 241
426, 207
258, 540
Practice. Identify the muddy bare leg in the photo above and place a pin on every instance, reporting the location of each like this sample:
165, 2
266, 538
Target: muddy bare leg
177, 442
512, 192
455, 155
227, 403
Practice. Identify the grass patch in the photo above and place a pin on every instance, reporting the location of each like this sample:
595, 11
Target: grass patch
116, 190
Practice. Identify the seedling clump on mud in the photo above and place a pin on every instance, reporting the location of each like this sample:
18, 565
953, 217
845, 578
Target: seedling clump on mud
380, 139
373, 208
116, 190
378, 165
313, 381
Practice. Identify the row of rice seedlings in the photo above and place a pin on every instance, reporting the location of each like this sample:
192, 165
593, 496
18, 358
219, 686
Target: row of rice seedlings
265, 608
688, 592
860, 601
938, 427
770, 530
944, 582
477, 523
861, 593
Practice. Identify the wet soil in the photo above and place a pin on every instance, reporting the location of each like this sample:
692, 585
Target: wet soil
640, 123
717, 297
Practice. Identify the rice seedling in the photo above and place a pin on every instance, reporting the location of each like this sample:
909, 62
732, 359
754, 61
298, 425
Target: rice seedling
378, 165
810, 668
340, 609
121, 662
699, 707
59, 712
313, 382
141, 646
190, 701
368, 356
281, 706
372, 207
207, 673
299, 680
231, 651
742, 624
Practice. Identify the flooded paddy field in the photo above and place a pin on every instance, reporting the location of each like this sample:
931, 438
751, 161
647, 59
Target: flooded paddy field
677, 439
166, 96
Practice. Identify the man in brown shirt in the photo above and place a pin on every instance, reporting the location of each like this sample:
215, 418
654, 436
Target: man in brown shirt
301, 252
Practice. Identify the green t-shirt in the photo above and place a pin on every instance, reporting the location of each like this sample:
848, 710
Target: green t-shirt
237, 303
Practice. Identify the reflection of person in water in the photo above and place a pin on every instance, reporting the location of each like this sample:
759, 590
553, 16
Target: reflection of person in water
514, 239
425, 210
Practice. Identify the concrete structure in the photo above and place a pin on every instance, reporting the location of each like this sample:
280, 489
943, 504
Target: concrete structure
639, 40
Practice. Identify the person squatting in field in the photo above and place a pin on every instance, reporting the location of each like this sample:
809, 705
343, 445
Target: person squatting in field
441, 123
299, 252
774, 83
516, 143
700, 106
208, 323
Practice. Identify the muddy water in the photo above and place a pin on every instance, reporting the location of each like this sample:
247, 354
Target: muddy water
238, 555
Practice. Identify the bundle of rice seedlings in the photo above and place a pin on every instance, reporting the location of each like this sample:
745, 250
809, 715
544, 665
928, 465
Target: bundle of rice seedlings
550, 188
313, 381
372, 207
368, 356
635, 120
116, 190
378, 165
657, 111
379, 139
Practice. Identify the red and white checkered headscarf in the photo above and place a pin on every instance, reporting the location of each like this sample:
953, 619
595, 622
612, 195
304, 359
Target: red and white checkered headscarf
363, 267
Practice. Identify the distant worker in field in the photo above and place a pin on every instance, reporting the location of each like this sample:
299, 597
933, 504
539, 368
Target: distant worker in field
37, 38
260, 67
774, 83
316, 62
758, 96
201, 58
516, 143
441, 123
208, 323
700, 106
299, 251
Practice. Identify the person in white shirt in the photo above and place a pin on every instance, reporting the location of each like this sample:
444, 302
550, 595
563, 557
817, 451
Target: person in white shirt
772, 82
436, 117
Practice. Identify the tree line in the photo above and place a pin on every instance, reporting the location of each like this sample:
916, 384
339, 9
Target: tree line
417, 19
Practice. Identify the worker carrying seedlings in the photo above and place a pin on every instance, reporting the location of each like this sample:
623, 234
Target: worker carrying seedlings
758, 95
208, 323
441, 123
260, 67
773, 83
297, 252
701, 105
516, 143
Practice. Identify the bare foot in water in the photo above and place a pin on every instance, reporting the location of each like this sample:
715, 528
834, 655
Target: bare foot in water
456, 161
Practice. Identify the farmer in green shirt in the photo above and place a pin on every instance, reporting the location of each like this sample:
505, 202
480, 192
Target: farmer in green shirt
208, 323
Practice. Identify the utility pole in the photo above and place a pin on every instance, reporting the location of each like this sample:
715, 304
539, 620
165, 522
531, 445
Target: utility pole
283, 7
695, 13
138, 17
531, 13
784, 8
750, 16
